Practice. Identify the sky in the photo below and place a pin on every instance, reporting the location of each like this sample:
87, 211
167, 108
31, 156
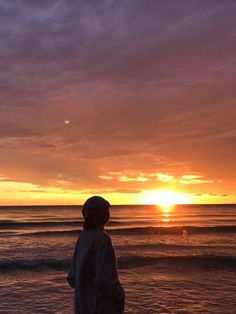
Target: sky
124, 99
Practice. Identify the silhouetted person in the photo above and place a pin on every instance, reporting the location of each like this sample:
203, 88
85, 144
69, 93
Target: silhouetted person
94, 273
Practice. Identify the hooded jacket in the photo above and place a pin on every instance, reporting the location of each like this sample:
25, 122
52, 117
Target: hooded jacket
94, 272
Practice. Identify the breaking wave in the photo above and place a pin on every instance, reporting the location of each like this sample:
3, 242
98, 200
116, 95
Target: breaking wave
125, 262
184, 230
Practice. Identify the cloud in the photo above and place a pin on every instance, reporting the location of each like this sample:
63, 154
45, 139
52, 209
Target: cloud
194, 179
104, 177
147, 87
131, 179
165, 178
3, 178
184, 179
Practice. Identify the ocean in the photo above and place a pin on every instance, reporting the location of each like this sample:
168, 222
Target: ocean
177, 261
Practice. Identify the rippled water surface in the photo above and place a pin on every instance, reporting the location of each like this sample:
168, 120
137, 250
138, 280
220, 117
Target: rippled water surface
182, 261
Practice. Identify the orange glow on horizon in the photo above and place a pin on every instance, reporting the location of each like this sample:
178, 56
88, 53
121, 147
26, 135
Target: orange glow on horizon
26, 193
166, 199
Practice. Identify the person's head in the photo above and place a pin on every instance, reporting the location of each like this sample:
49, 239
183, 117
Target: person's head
95, 212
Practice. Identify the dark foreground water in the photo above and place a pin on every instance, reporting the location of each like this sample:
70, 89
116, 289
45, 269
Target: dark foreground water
182, 261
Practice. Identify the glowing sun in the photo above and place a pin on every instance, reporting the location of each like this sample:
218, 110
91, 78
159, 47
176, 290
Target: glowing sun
166, 199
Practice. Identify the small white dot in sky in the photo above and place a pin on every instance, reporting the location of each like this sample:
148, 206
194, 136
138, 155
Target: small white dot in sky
67, 121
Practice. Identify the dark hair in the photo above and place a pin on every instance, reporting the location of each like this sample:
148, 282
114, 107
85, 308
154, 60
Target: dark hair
95, 212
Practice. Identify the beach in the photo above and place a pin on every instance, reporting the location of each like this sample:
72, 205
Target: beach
177, 261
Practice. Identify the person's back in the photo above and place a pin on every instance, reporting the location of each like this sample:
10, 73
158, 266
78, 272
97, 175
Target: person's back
94, 273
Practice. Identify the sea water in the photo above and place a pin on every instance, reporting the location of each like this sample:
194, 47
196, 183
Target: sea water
181, 260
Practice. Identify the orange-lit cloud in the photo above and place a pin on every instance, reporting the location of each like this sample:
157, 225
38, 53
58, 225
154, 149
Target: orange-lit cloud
184, 179
117, 98
136, 179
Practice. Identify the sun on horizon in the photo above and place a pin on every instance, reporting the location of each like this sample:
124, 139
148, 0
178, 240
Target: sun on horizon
166, 199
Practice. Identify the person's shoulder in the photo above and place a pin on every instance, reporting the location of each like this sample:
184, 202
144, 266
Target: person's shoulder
102, 237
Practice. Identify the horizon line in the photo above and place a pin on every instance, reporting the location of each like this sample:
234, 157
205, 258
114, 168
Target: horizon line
72, 205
